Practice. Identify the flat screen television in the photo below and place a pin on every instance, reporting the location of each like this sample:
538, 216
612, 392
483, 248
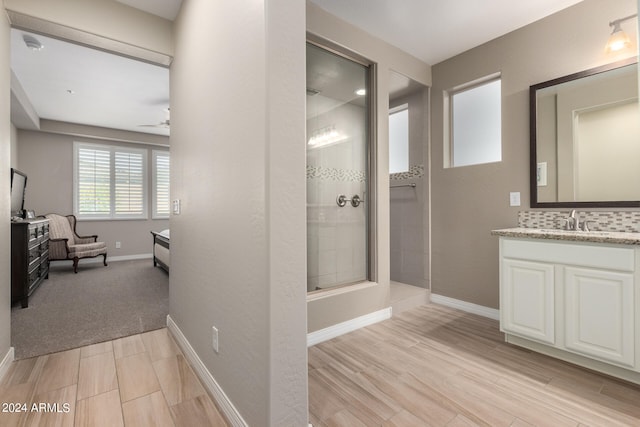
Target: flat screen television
18, 188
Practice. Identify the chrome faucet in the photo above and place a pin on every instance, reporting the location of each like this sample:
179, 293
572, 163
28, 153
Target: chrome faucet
571, 222
574, 221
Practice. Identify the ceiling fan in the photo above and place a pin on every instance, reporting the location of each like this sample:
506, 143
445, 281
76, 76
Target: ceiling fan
166, 124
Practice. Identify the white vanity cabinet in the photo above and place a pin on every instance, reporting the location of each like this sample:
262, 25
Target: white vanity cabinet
527, 299
579, 301
599, 314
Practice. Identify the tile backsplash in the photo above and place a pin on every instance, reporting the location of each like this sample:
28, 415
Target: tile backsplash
619, 221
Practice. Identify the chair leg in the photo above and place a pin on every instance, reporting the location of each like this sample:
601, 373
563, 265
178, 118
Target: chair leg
105, 260
75, 264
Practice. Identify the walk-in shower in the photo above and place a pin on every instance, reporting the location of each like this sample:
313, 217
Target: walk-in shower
338, 169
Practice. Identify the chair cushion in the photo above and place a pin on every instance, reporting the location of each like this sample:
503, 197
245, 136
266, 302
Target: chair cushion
59, 228
87, 250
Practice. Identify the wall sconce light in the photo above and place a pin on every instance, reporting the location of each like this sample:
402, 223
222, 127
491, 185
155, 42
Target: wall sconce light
325, 136
618, 39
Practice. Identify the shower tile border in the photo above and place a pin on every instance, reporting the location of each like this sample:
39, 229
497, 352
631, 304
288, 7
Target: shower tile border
335, 174
415, 171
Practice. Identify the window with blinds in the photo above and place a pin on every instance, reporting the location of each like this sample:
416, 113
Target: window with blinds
93, 183
110, 182
161, 200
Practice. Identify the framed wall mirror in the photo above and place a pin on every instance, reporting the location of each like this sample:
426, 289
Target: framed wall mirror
585, 139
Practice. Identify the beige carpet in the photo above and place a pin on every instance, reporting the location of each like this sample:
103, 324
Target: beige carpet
98, 304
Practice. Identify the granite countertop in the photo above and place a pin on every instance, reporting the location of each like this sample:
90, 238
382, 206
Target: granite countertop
576, 236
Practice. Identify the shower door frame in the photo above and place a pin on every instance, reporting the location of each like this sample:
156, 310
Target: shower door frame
370, 198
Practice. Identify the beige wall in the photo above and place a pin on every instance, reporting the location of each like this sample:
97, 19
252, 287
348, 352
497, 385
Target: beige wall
47, 159
470, 201
14, 146
327, 311
238, 248
5, 158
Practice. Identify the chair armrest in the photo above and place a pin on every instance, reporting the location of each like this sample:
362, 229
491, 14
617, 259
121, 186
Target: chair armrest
63, 240
86, 239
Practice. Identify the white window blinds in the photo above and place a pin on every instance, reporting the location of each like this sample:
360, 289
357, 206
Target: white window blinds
94, 181
161, 200
110, 182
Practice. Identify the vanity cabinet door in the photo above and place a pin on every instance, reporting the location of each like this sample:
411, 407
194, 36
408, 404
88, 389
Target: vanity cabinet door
599, 319
527, 300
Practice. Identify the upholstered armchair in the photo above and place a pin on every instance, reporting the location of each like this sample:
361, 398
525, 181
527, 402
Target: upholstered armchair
64, 242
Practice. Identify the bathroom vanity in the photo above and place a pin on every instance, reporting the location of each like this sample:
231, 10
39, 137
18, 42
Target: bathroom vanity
574, 295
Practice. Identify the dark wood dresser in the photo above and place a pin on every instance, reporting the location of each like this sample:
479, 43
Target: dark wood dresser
29, 257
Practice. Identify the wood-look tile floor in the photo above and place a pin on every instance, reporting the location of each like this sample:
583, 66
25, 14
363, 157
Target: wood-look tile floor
435, 366
141, 380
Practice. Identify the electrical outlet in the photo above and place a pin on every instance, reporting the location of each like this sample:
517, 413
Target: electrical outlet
118, 245
514, 199
215, 339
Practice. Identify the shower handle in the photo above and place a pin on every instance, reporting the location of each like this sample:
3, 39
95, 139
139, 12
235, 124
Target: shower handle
355, 200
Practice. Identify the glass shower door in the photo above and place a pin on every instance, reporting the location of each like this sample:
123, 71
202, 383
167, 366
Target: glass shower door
337, 169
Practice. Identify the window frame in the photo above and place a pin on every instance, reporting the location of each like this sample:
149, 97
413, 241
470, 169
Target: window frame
449, 137
112, 149
154, 188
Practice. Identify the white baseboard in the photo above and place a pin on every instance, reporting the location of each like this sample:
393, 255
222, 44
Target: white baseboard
6, 362
469, 307
342, 328
99, 259
223, 402
127, 257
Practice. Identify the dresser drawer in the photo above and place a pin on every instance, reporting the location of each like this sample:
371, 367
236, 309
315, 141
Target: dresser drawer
34, 255
33, 233
34, 275
44, 269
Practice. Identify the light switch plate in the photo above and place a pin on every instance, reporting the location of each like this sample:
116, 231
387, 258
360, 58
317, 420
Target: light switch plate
215, 342
541, 174
514, 198
176, 207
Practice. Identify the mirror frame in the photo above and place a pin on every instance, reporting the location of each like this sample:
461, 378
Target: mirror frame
533, 164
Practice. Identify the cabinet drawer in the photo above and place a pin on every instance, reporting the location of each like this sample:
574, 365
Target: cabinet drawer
44, 269
33, 233
34, 275
34, 254
619, 258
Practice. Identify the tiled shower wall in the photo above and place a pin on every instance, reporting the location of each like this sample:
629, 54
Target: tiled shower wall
409, 206
336, 236
622, 221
